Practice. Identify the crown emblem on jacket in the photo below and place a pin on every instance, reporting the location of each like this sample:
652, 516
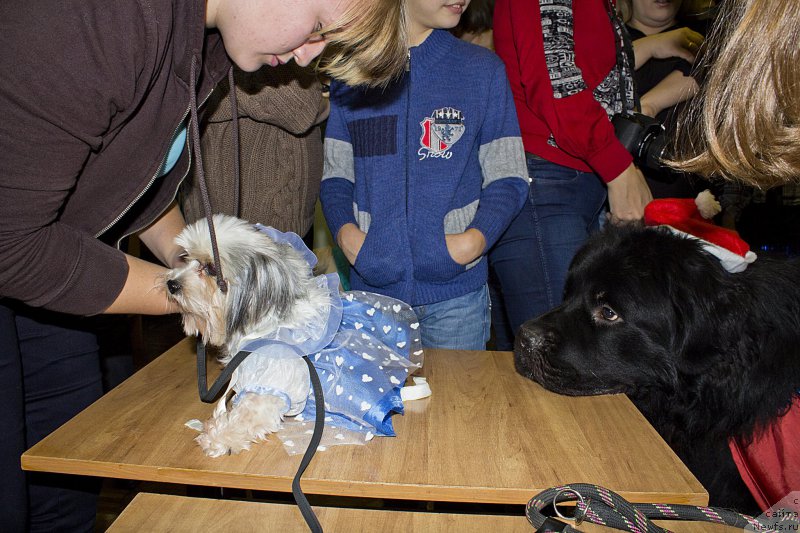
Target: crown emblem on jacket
440, 132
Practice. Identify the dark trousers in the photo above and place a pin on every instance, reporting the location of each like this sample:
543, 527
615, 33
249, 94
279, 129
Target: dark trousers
530, 260
49, 372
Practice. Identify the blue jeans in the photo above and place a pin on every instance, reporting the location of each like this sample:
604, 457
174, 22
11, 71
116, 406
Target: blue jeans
461, 323
531, 259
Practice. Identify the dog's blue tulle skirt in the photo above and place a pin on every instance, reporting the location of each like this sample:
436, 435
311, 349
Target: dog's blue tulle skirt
363, 346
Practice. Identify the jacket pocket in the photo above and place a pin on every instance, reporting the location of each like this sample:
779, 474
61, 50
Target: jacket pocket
376, 263
433, 262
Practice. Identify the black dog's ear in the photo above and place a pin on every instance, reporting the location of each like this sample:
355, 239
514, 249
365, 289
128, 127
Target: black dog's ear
265, 285
703, 299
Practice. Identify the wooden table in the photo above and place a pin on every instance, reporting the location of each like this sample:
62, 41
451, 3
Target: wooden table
159, 512
486, 435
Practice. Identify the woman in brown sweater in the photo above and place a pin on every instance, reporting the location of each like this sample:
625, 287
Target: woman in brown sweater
281, 111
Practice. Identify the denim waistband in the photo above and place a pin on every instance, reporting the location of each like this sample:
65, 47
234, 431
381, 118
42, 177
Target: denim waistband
530, 155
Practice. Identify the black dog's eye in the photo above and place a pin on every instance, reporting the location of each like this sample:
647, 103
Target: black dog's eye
609, 314
209, 269
605, 313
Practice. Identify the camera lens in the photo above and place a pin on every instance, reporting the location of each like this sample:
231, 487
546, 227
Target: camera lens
653, 151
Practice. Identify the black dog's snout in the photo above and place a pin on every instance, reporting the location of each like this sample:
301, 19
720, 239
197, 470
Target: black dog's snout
534, 336
173, 286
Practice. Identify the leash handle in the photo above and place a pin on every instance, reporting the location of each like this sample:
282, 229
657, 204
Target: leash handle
604, 507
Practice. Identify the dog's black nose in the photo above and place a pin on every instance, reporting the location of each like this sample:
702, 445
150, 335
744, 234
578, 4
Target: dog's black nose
173, 286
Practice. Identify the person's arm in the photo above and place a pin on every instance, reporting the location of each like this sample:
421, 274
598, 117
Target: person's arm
682, 42
144, 291
159, 237
672, 90
56, 115
628, 194
504, 186
338, 181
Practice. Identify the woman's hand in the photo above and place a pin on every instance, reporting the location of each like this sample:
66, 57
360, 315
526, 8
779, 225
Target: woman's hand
465, 247
681, 42
628, 194
350, 240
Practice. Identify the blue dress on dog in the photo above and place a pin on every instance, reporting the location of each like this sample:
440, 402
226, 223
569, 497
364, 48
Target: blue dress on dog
363, 347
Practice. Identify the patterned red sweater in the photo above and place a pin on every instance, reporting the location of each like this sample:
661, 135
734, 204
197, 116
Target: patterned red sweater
563, 110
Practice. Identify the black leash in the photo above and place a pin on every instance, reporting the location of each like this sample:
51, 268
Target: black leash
599, 505
319, 424
209, 395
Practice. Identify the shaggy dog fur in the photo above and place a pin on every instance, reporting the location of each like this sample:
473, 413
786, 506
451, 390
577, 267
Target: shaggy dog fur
705, 355
270, 286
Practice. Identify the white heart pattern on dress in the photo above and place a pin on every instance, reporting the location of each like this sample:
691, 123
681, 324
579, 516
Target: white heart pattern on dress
365, 406
358, 325
394, 380
401, 344
396, 308
366, 378
339, 360
387, 329
371, 311
415, 325
339, 390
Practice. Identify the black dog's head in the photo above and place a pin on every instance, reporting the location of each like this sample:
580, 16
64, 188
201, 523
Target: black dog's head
636, 301
705, 355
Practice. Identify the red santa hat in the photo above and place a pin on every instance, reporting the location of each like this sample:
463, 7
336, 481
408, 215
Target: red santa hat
692, 218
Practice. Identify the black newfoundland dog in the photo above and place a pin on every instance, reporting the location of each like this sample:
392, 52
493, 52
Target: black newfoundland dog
705, 355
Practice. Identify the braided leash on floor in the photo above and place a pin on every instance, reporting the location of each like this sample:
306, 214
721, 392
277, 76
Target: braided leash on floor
601, 506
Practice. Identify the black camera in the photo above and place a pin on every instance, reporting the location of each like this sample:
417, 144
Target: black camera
645, 138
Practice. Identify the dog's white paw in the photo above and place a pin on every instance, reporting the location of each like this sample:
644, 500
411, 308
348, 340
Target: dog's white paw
232, 432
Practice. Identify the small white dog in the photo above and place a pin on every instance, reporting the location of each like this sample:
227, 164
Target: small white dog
270, 286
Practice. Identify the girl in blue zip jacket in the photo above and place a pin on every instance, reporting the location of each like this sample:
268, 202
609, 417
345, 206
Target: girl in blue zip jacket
422, 177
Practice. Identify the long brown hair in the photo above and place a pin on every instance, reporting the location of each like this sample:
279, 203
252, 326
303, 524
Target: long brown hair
745, 123
368, 45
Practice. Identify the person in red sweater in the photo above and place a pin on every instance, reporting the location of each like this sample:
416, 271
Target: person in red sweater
568, 81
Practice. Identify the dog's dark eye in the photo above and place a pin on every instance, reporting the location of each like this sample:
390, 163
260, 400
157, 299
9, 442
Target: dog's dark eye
608, 314
209, 269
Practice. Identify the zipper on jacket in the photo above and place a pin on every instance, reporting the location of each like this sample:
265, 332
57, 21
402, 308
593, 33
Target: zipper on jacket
408, 117
156, 175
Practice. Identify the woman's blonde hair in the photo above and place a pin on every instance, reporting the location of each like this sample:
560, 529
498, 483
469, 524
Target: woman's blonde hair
745, 123
368, 44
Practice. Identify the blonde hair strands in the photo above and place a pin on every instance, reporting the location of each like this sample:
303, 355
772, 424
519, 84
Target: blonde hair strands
368, 46
745, 124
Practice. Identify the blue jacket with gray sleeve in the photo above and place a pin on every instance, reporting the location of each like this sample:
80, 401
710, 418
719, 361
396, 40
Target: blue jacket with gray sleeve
438, 152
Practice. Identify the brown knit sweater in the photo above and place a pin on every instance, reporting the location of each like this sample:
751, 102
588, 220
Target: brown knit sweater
280, 144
